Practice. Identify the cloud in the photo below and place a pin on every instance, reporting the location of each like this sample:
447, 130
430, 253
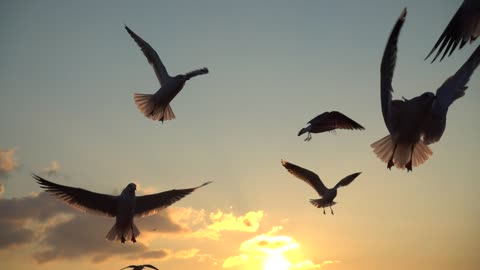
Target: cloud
8, 162
53, 231
61, 232
20, 217
219, 221
268, 245
53, 170
307, 264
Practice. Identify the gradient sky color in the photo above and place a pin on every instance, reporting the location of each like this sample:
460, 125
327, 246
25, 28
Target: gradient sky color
67, 78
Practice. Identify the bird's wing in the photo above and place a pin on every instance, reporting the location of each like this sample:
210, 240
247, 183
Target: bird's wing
452, 89
152, 57
463, 27
387, 68
150, 204
307, 176
81, 199
335, 119
130, 266
347, 180
150, 266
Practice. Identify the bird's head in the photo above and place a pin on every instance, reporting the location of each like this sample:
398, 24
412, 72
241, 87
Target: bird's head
427, 97
130, 189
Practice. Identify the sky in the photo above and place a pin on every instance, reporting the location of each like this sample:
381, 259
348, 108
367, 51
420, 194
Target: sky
67, 78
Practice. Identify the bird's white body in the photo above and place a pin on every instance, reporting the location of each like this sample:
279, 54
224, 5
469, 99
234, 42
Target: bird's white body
124, 207
327, 195
157, 106
124, 226
414, 124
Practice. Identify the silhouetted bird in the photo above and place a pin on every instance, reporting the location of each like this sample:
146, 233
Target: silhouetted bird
326, 194
123, 207
463, 27
157, 106
415, 123
329, 121
140, 267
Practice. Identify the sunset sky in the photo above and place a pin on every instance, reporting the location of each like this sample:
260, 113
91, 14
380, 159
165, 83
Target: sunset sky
68, 72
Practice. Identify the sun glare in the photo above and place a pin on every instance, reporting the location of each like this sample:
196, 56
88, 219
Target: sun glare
276, 262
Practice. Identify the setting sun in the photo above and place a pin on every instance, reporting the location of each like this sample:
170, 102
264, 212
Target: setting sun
276, 262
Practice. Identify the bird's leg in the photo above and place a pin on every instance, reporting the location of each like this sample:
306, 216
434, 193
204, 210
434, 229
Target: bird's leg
309, 137
133, 235
122, 239
324, 210
390, 161
331, 210
409, 163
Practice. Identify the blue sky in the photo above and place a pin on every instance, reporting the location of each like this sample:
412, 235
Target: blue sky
69, 71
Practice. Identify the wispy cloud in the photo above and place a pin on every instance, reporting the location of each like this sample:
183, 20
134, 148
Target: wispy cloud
8, 162
220, 221
268, 244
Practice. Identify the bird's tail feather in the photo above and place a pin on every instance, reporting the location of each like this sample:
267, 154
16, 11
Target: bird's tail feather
384, 147
147, 105
116, 232
319, 203
196, 72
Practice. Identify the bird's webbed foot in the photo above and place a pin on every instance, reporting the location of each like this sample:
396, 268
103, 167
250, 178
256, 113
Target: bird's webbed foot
409, 166
390, 164
122, 239
324, 210
133, 238
331, 210
309, 137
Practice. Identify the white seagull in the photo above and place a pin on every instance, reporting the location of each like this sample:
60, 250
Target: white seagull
326, 194
124, 207
463, 27
329, 121
417, 122
140, 267
157, 106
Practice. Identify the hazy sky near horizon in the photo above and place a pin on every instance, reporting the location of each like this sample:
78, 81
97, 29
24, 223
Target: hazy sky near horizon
67, 78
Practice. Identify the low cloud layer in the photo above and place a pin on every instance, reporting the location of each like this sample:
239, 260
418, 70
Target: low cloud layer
65, 233
59, 232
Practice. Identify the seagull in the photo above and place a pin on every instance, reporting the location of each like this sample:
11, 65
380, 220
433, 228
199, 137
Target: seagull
123, 207
463, 27
329, 121
415, 123
140, 267
326, 194
157, 106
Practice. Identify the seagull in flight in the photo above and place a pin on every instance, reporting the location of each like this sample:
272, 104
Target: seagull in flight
157, 106
140, 267
415, 123
329, 121
124, 207
326, 194
463, 27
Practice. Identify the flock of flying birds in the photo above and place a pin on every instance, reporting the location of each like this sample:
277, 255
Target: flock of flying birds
413, 124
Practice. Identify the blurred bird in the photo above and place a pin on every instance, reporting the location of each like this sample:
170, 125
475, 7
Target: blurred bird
463, 27
326, 194
123, 207
415, 123
140, 267
157, 106
329, 121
